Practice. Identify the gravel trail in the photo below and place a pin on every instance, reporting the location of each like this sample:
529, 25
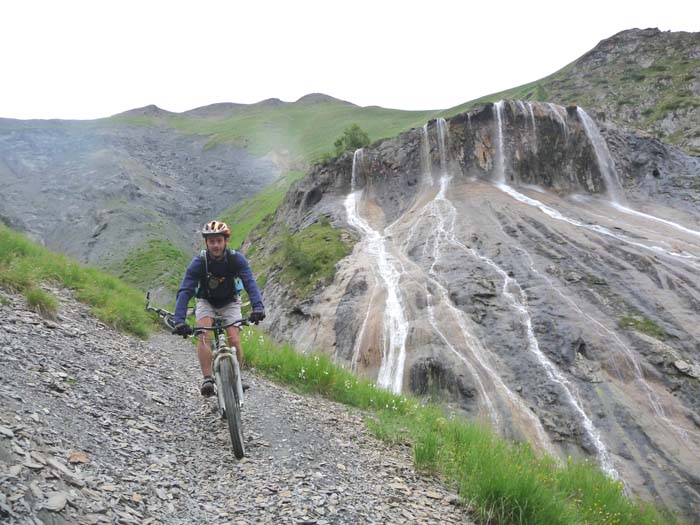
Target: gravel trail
99, 427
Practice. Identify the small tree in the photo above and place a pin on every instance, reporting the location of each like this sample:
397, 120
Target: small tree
352, 138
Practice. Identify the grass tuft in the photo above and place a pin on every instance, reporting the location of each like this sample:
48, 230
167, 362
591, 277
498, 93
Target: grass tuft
42, 302
637, 321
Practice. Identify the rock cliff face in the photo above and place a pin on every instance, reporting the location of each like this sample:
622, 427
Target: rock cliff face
96, 189
529, 268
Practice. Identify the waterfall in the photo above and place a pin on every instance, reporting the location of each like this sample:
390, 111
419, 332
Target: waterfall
442, 144
442, 209
395, 326
557, 116
606, 165
531, 112
499, 161
425, 155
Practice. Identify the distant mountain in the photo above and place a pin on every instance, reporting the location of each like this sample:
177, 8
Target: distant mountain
147, 111
128, 192
303, 130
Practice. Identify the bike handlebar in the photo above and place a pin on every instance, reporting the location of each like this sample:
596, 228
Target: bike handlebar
169, 319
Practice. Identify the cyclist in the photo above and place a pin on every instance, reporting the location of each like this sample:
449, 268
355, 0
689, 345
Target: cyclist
211, 276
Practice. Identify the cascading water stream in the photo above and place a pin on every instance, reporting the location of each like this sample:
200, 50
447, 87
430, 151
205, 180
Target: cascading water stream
445, 213
652, 397
558, 117
498, 161
519, 303
555, 214
448, 233
395, 327
425, 152
679, 227
606, 165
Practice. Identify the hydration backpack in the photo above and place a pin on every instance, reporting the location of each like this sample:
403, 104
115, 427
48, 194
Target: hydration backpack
203, 288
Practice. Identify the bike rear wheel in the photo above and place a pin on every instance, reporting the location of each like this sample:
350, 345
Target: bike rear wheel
233, 409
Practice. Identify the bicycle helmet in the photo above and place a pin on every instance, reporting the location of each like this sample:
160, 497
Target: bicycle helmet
216, 228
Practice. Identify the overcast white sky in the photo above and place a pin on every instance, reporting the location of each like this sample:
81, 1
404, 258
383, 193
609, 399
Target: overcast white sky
90, 59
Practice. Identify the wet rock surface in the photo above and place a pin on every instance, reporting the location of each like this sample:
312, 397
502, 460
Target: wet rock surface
549, 282
97, 427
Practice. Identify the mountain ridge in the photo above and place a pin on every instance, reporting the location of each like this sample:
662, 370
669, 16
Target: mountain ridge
645, 79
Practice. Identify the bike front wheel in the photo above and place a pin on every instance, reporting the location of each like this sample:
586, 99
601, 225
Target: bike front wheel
232, 407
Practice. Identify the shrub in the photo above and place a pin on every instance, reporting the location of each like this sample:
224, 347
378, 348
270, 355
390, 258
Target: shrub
352, 138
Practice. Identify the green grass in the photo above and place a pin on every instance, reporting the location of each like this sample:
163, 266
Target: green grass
24, 265
503, 482
303, 260
637, 321
310, 256
244, 216
156, 263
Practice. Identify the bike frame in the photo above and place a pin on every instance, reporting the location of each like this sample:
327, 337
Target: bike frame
219, 346
221, 350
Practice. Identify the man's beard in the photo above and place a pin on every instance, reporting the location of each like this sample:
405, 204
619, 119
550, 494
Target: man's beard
215, 255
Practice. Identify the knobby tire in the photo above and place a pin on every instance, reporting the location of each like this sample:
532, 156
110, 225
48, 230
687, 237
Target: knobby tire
233, 409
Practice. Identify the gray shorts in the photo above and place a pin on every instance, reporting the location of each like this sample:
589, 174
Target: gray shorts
229, 312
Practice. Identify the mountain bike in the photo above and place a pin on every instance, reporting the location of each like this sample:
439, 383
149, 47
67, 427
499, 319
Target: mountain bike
227, 373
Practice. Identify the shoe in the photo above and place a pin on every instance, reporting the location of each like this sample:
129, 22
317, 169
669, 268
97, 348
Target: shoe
207, 389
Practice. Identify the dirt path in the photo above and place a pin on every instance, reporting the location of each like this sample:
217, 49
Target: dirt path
97, 427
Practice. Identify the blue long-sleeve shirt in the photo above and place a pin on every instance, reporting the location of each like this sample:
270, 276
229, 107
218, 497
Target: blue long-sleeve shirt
196, 271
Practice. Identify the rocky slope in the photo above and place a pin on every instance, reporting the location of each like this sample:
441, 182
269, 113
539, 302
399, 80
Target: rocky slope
641, 78
528, 268
84, 438
97, 190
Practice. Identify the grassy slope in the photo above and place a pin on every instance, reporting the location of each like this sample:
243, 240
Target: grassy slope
156, 263
24, 266
503, 482
305, 130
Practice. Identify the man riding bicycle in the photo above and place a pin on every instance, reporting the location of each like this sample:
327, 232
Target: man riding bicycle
212, 277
